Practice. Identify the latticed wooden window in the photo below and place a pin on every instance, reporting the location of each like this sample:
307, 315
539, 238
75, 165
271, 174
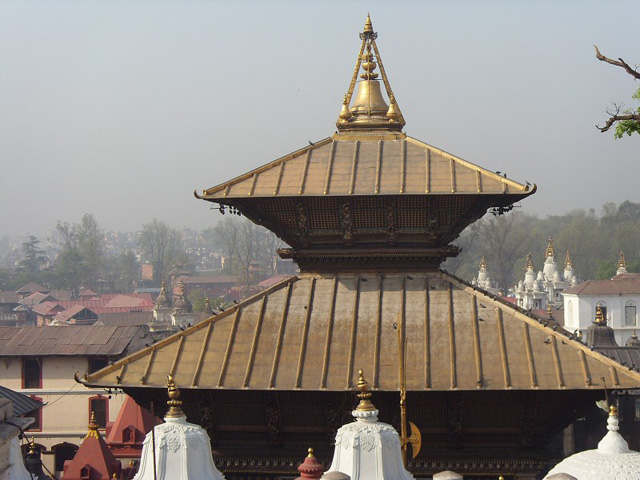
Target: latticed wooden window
630, 314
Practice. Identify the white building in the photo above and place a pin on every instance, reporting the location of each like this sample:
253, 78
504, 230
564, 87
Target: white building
618, 299
544, 288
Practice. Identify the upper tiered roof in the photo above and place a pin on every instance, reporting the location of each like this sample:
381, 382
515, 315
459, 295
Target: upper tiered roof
369, 188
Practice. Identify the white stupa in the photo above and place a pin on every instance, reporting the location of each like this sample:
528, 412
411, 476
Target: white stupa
612, 459
368, 449
182, 449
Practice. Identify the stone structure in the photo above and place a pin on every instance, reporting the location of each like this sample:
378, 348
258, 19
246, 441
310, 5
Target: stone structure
177, 449
618, 299
538, 291
612, 459
368, 449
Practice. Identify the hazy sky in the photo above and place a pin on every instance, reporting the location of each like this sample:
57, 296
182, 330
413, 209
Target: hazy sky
123, 108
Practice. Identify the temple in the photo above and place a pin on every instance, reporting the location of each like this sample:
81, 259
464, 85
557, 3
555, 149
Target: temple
369, 214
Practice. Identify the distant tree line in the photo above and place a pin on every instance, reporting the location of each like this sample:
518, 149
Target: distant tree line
594, 242
84, 259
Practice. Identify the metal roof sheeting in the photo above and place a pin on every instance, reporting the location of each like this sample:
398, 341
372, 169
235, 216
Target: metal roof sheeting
347, 166
313, 332
68, 340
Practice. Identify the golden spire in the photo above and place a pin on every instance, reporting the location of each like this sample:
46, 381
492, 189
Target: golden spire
311, 455
622, 263
365, 404
93, 427
600, 320
369, 110
550, 252
567, 260
529, 263
174, 404
613, 411
549, 312
483, 263
32, 445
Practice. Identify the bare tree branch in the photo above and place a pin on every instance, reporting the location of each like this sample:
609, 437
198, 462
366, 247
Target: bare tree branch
617, 118
618, 63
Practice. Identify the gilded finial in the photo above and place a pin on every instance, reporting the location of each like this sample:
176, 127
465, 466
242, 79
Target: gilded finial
622, 263
613, 411
392, 113
600, 320
368, 26
483, 263
93, 426
500, 477
567, 260
174, 403
365, 404
345, 113
549, 312
529, 264
32, 446
163, 286
550, 252
311, 455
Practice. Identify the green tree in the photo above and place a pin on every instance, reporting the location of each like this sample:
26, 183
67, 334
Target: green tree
626, 121
33, 257
162, 245
126, 271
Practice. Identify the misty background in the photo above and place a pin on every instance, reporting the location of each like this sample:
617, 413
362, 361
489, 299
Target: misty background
122, 109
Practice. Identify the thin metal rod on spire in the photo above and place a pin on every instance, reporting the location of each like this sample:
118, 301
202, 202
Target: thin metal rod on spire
403, 387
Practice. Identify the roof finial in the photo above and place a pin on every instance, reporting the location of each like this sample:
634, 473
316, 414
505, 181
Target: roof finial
93, 426
529, 264
567, 260
368, 26
622, 264
550, 252
600, 320
174, 404
32, 446
483, 263
549, 312
365, 404
369, 110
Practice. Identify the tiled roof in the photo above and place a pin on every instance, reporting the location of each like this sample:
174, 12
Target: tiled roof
313, 332
47, 308
125, 318
346, 166
115, 303
22, 404
71, 340
70, 312
36, 298
626, 284
32, 287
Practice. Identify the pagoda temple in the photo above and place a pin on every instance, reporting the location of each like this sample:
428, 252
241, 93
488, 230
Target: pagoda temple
369, 214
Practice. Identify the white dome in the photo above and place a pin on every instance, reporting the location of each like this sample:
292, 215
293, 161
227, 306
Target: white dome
612, 459
368, 449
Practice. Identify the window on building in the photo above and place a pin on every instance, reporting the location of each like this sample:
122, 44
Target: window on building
97, 363
31, 373
36, 426
129, 435
85, 472
630, 314
99, 406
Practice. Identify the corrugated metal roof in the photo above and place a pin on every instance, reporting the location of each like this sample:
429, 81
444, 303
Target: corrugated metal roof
627, 284
70, 340
22, 404
348, 166
313, 332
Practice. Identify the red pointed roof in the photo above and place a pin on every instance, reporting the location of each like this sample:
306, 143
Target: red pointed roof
127, 433
93, 456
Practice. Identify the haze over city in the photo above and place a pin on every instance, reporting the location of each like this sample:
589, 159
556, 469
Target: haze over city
122, 109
